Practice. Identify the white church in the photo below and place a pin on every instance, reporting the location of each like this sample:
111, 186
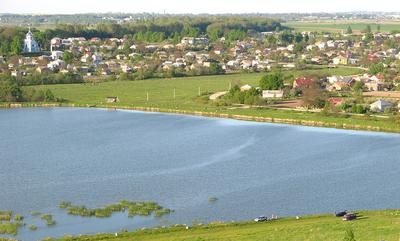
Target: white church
30, 44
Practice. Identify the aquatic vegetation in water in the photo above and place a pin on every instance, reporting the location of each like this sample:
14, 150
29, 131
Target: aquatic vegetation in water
133, 209
48, 219
7, 239
8, 224
64, 204
18, 217
35, 213
5, 215
32, 227
9, 227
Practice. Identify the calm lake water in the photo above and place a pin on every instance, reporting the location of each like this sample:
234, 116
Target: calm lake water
97, 157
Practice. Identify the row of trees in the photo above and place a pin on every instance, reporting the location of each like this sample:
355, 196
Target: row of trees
44, 79
12, 92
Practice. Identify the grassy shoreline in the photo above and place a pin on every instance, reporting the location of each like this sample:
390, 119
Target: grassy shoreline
190, 96
243, 117
371, 225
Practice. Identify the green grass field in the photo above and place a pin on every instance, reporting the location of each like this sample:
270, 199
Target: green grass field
342, 26
161, 91
372, 226
161, 95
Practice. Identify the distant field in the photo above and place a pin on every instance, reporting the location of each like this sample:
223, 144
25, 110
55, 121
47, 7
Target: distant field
342, 26
372, 226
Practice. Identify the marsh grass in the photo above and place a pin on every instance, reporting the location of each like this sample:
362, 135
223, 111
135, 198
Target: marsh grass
32, 227
133, 209
5, 215
18, 217
35, 213
9, 227
48, 219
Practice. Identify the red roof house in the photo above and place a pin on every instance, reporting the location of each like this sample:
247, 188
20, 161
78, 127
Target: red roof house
302, 82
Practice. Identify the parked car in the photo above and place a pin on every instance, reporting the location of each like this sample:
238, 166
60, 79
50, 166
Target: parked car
341, 214
349, 217
261, 219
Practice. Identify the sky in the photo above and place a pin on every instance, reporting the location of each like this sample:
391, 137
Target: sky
195, 6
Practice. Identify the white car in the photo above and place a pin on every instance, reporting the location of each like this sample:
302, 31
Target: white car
261, 219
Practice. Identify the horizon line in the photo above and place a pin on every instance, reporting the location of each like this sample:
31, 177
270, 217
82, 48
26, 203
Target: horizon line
243, 13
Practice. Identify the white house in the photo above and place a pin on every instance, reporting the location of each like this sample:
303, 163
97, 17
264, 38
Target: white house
380, 105
245, 88
57, 54
272, 94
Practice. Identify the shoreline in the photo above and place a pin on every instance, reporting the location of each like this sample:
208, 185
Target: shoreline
327, 225
250, 118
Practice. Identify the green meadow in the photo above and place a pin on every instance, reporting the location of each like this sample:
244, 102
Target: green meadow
160, 92
371, 226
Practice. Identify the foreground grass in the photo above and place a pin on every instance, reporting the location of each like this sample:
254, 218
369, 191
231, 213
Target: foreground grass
372, 225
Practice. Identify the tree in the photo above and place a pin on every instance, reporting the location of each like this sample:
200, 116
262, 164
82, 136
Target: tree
349, 30
369, 37
286, 37
10, 91
298, 37
215, 69
16, 46
376, 68
68, 57
48, 96
314, 96
358, 86
368, 29
273, 81
271, 40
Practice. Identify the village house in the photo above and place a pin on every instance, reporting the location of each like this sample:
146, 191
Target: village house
245, 88
57, 54
272, 94
380, 106
340, 60
302, 82
374, 86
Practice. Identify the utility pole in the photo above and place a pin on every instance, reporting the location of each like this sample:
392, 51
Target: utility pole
199, 91
147, 96
174, 93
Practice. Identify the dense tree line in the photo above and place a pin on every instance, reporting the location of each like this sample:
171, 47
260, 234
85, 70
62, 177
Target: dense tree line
154, 30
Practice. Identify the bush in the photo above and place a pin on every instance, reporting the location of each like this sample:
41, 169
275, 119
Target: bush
359, 109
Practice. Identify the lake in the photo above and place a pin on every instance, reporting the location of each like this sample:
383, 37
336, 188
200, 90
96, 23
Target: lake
96, 157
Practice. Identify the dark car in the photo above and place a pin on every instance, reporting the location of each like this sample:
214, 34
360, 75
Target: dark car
340, 214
